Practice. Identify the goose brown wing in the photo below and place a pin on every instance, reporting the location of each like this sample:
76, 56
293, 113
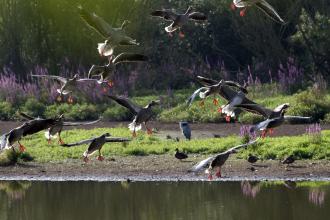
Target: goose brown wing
206, 81
126, 103
78, 143
166, 14
36, 125
198, 16
266, 8
255, 108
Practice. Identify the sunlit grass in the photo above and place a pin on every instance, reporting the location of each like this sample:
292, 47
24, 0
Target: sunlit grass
268, 148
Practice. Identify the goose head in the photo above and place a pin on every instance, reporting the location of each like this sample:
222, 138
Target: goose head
106, 134
153, 103
124, 24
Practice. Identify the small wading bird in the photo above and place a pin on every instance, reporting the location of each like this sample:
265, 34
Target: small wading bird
142, 114
185, 129
264, 6
276, 118
96, 144
252, 159
178, 20
28, 128
67, 84
218, 160
113, 36
55, 130
289, 160
180, 155
106, 71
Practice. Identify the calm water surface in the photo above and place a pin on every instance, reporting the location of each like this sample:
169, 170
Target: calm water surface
164, 200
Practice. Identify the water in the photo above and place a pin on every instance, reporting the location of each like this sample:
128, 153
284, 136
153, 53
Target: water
163, 200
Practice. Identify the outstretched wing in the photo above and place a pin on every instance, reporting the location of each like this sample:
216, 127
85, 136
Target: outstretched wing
130, 57
96, 22
206, 81
269, 11
26, 116
166, 14
81, 123
297, 119
198, 16
126, 103
204, 163
193, 96
59, 78
256, 109
78, 143
117, 139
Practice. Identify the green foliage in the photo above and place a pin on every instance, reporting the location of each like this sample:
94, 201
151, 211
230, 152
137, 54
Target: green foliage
75, 112
8, 157
34, 107
6, 111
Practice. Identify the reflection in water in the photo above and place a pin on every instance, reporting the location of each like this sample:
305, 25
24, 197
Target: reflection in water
14, 189
316, 196
250, 188
162, 201
290, 184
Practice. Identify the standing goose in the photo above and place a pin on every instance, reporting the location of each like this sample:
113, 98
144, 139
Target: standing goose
178, 20
68, 84
113, 36
185, 129
142, 114
277, 118
106, 71
264, 6
56, 129
15, 135
96, 144
218, 160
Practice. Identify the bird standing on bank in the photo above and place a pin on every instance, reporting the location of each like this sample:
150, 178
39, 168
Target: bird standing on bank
185, 129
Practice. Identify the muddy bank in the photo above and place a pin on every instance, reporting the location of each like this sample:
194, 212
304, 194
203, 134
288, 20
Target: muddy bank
162, 168
199, 130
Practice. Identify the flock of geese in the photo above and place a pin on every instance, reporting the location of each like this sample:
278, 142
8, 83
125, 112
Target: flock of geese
232, 92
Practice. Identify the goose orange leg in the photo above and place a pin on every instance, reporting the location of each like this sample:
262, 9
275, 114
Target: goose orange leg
242, 13
227, 118
100, 157
218, 173
85, 159
210, 177
149, 131
181, 34
134, 133
215, 101
21, 147
232, 6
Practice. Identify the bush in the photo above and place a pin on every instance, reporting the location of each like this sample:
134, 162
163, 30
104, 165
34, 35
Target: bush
117, 113
6, 111
34, 108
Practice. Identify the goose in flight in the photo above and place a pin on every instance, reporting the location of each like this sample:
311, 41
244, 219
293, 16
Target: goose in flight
215, 162
178, 20
67, 84
96, 144
141, 114
113, 36
262, 5
56, 129
106, 71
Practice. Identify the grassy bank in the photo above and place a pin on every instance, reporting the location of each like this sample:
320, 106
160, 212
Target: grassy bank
303, 147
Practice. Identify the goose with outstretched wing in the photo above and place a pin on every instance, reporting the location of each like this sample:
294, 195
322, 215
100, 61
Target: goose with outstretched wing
106, 71
96, 144
178, 20
68, 84
218, 160
113, 36
56, 129
141, 114
262, 5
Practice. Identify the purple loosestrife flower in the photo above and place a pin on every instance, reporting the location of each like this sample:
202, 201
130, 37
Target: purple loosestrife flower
290, 76
314, 133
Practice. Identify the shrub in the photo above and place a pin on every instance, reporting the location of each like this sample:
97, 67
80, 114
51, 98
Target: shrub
6, 111
117, 114
34, 108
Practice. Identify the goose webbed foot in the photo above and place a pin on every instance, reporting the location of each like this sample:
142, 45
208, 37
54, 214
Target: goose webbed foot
70, 100
59, 98
49, 141
242, 13
228, 118
263, 133
210, 177
100, 158
181, 34
232, 6
21, 148
220, 110
149, 131
110, 83
215, 102
60, 141
85, 159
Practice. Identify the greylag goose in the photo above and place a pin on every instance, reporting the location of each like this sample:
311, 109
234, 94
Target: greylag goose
142, 114
178, 20
28, 128
276, 118
96, 144
56, 129
180, 155
68, 84
113, 36
262, 5
218, 160
106, 71
185, 129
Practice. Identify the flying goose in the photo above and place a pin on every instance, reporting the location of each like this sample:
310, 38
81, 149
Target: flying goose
113, 36
264, 6
277, 118
142, 114
185, 129
218, 160
96, 144
28, 128
56, 129
68, 84
178, 20
180, 155
106, 71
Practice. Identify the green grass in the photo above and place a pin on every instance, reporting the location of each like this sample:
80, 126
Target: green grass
268, 148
